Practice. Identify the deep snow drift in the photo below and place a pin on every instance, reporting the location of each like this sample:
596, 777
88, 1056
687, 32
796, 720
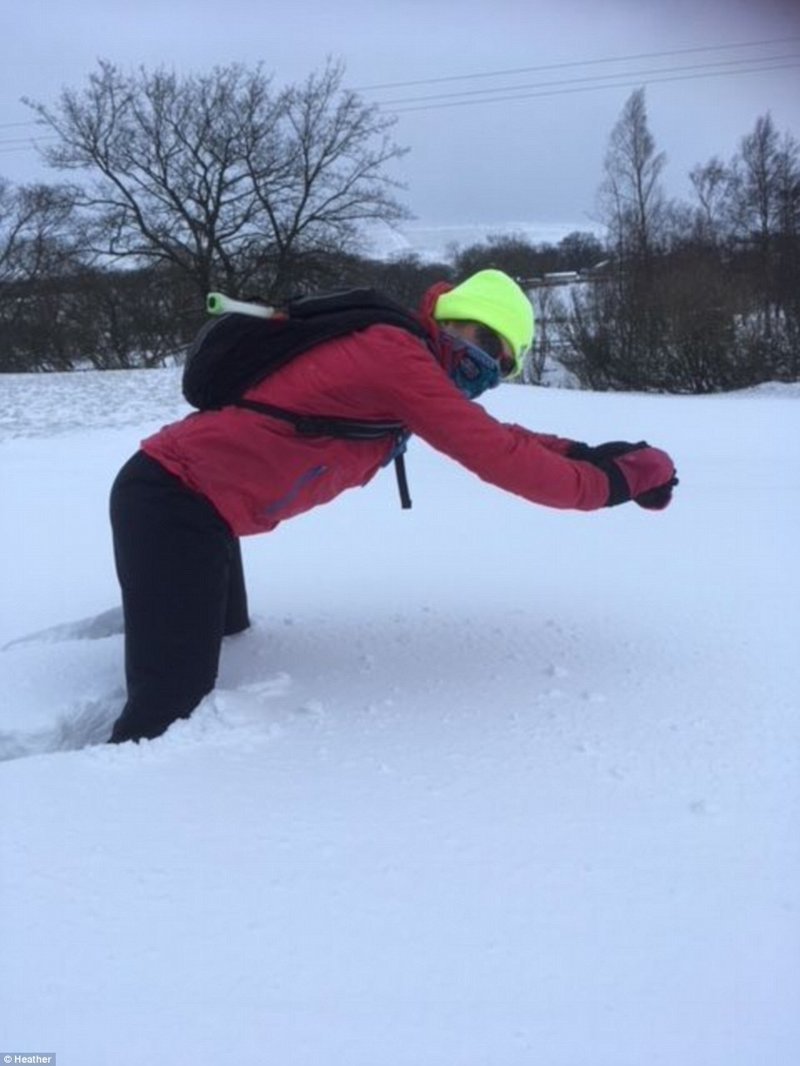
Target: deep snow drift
485, 783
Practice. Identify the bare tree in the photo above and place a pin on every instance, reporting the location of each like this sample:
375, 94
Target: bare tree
218, 174
36, 249
544, 354
755, 182
163, 159
711, 184
580, 251
631, 197
33, 230
335, 150
765, 205
511, 252
616, 328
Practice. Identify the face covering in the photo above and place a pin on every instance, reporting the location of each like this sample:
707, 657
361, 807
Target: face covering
474, 371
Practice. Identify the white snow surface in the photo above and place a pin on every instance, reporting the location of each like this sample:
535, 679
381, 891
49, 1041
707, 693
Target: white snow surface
436, 242
485, 784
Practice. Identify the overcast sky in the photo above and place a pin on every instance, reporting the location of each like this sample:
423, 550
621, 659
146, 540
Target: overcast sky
536, 158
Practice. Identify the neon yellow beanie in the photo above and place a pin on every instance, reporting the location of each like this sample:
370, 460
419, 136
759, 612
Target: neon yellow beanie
495, 300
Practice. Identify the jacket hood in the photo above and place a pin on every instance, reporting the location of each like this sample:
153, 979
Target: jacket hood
441, 344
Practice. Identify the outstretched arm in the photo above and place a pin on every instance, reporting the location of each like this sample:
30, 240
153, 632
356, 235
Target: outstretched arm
542, 468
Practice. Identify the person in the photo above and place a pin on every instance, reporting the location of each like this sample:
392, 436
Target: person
180, 504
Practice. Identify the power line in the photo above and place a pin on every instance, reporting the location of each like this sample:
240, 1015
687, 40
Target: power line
8, 148
551, 88
592, 78
647, 80
546, 67
24, 140
22, 144
578, 63
10, 125
595, 79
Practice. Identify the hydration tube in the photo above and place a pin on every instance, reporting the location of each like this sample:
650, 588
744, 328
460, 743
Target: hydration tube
218, 303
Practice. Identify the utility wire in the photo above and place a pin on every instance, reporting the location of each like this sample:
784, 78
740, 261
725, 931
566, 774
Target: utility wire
24, 144
551, 88
545, 67
647, 80
520, 92
579, 63
22, 148
23, 140
595, 79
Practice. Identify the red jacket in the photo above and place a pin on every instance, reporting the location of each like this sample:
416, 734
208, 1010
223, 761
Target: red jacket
257, 471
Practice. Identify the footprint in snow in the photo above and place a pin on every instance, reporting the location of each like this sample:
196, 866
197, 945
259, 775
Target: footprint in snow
62, 687
96, 627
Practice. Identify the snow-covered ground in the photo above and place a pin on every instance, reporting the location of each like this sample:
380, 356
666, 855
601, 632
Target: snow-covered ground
435, 242
485, 784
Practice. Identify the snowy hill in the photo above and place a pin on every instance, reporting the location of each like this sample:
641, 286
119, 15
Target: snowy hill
435, 242
484, 784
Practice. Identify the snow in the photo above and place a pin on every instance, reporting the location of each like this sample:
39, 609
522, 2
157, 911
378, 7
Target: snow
484, 784
434, 242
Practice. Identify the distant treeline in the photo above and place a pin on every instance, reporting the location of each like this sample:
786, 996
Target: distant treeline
221, 182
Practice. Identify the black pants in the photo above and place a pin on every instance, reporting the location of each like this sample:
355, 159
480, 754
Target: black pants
180, 570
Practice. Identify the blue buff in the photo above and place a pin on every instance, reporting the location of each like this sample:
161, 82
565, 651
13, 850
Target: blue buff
475, 371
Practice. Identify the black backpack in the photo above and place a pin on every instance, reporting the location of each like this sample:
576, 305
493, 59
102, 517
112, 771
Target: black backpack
235, 351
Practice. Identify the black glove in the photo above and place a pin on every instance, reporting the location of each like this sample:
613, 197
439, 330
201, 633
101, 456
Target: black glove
634, 471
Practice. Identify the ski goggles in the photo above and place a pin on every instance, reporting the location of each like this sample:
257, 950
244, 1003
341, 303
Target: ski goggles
498, 348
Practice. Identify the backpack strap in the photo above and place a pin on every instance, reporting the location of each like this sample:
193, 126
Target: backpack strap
402, 481
326, 425
343, 428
